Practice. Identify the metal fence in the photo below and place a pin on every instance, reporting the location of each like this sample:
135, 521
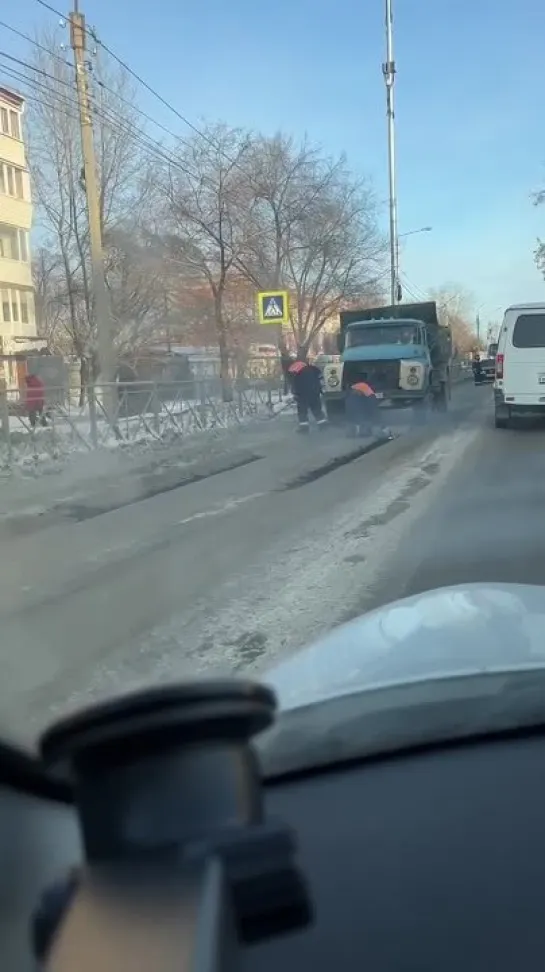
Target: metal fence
138, 412
141, 413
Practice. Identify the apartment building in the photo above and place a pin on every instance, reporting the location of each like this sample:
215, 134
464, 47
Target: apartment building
17, 313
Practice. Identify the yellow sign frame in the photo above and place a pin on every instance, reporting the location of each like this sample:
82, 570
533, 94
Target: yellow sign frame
263, 297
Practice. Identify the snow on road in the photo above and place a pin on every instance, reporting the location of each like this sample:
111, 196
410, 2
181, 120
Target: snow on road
296, 589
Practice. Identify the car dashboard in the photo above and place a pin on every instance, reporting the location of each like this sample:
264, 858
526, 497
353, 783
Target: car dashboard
423, 862
426, 861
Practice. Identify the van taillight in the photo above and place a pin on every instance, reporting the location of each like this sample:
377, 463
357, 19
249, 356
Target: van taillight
499, 366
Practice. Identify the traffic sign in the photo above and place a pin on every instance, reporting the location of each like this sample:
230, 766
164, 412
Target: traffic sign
273, 307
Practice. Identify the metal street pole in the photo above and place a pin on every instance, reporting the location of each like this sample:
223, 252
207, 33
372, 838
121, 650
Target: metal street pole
389, 72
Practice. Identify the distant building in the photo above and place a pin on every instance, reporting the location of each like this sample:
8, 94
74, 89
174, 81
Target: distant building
17, 312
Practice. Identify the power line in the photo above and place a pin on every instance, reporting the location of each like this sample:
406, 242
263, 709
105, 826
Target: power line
118, 124
233, 162
139, 136
52, 9
145, 85
36, 70
33, 68
413, 289
105, 113
30, 40
139, 111
159, 97
59, 104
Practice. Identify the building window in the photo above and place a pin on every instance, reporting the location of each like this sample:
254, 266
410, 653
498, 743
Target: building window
13, 243
10, 122
16, 306
15, 124
11, 180
6, 307
9, 242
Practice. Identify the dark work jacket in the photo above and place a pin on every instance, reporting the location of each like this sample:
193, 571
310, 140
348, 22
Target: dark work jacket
305, 380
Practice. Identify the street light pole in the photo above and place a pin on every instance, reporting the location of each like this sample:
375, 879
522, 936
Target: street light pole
389, 72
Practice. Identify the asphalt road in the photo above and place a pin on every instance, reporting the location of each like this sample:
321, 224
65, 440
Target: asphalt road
239, 570
489, 522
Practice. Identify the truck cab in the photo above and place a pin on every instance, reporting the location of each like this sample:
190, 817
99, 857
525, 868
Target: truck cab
402, 351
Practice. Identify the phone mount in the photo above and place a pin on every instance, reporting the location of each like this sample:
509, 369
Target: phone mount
182, 868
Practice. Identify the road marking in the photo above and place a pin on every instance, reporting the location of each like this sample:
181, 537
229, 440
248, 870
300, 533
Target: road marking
227, 507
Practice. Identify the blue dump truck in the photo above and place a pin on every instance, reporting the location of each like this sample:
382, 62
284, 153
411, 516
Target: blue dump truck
402, 351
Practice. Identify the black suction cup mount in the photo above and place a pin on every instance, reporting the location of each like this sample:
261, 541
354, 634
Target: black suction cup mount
164, 766
167, 778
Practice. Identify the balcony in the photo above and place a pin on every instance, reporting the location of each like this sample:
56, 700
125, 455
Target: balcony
15, 273
12, 150
17, 212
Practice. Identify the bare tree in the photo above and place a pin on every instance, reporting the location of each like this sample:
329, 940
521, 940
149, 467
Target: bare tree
138, 291
203, 215
313, 230
454, 305
59, 191
49, 304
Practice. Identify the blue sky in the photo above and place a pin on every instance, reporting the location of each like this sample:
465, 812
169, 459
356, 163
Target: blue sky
470, 139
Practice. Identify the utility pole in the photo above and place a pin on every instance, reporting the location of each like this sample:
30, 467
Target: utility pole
389, 72
106, 355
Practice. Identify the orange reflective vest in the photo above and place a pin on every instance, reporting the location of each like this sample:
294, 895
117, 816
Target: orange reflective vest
362, 388
296, 367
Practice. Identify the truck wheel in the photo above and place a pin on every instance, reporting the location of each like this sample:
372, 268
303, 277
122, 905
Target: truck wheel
501, 419
421, 411
334, 410
441, 398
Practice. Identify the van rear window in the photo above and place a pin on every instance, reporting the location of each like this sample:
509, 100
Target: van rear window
529, 331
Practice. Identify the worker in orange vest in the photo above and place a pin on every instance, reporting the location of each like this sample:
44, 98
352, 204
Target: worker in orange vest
362, 410
306, 384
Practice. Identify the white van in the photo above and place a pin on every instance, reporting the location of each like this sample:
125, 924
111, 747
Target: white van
519, 385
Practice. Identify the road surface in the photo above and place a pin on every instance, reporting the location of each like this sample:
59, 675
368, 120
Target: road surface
236, 571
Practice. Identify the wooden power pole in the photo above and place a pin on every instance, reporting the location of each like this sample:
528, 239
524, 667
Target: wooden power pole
106, 355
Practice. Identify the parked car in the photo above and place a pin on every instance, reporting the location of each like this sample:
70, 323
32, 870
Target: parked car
488, 365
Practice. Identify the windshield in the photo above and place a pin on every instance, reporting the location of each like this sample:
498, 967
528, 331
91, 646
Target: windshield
366, 335
182, 234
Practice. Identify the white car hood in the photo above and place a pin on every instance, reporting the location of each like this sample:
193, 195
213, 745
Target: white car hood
452, 631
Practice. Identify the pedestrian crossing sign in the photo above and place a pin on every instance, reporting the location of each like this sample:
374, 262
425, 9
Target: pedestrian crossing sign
273, 307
